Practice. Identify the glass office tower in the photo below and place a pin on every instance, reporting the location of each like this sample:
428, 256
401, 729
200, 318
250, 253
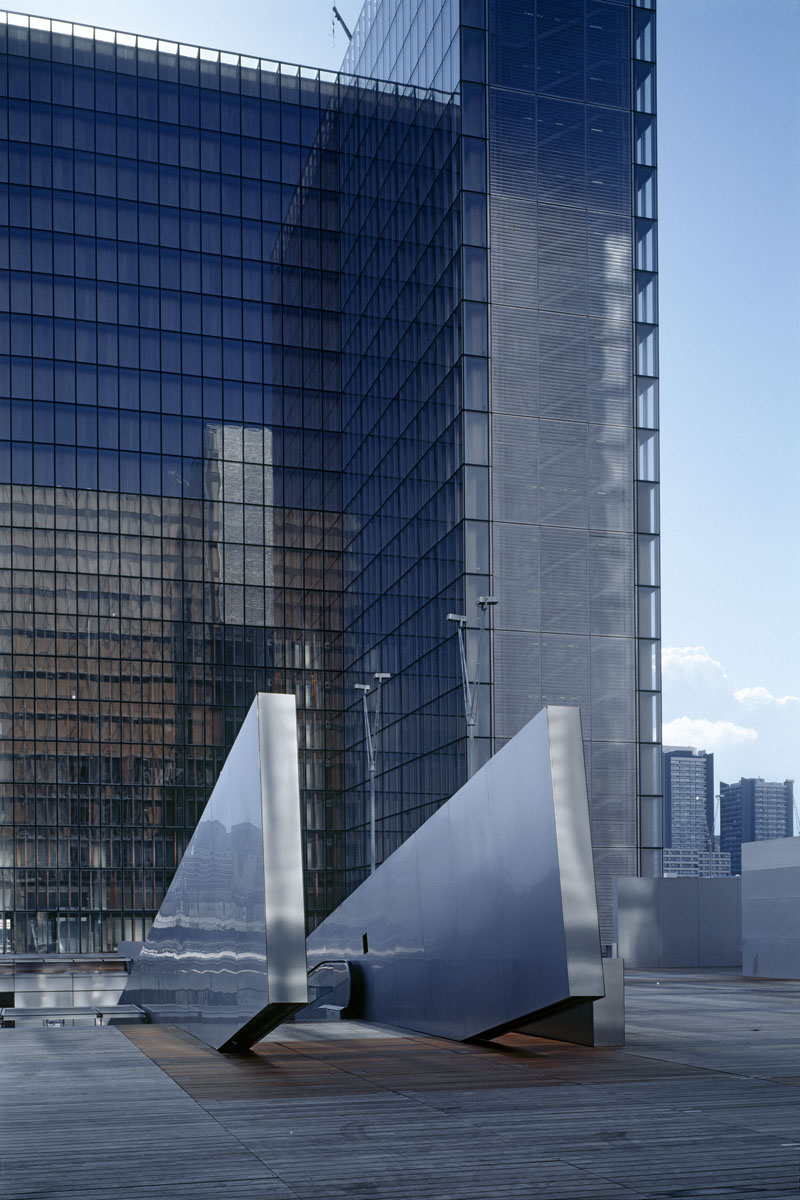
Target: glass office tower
293, 365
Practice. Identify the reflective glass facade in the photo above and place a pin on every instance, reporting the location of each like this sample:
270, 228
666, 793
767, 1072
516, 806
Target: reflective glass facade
292, 365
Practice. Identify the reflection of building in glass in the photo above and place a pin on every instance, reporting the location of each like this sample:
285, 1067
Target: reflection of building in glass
754, 810
271, 407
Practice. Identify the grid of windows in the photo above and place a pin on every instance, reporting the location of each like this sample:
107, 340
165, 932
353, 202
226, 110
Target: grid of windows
172, 518
403, 480
688, 800
753, 810
292, 364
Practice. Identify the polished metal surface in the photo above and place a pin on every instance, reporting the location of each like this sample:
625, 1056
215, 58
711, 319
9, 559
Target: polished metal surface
487, 914
225, 959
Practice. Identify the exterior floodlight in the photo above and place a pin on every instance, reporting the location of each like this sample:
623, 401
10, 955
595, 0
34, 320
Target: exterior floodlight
370, 737
470, 689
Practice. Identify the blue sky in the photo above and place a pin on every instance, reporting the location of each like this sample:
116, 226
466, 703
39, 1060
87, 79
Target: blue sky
729, 167
729, 157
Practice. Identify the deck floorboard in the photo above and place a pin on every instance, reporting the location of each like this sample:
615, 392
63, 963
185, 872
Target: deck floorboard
701, 1103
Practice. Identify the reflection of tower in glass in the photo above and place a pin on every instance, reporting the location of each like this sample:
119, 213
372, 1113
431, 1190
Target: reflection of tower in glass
239, 490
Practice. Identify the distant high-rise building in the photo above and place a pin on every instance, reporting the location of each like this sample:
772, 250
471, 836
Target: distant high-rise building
753, 810
688, 799
682, 864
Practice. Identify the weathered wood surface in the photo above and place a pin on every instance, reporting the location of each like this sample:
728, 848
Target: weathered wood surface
703, 1102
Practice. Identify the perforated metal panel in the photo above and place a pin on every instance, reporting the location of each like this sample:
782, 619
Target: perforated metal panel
563, 471
612, 775
613, 688
578, 378
513, 146
562, 366
562, 259
514, 360
517, 676
609, 372
610, 478
562, 152
565, 673
514, 258
609, 265
515, 478
611, 605
564, 559
516, 576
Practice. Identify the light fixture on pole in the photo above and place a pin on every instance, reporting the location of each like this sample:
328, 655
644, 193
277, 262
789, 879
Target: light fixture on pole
370, 738
470, 689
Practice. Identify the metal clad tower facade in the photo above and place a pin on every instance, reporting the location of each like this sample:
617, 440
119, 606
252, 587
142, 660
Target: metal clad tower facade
559, 373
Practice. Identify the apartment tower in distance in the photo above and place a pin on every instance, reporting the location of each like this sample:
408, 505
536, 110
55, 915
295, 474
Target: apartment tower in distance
754, 810
295, 364
689, 815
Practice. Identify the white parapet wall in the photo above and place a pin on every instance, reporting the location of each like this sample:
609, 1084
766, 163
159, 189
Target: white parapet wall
771, 908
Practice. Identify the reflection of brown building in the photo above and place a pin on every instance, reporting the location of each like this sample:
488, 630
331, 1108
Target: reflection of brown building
130, 647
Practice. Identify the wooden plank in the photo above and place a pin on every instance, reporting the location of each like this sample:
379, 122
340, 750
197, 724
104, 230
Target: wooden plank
702, 1102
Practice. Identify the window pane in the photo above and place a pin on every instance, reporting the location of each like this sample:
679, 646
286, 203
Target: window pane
646, 350
644, 45
650, 716
648, 559
649, 613
649, 668
646, 298
645, 88
647, 507
646, 246
647, 403
645, 192
645, 136
647, 455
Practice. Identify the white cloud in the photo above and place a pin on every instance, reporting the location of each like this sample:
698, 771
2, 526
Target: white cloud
760, 695
689, 658
705, 734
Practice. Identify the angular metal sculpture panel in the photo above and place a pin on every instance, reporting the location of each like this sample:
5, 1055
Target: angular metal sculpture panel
225, 959
486, 917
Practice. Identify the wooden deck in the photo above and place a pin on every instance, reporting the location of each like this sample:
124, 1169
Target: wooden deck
703, 1102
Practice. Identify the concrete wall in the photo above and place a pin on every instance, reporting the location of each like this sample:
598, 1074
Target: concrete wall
771, 908
678, 922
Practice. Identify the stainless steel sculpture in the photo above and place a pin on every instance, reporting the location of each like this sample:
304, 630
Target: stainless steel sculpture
486, 917
225, 959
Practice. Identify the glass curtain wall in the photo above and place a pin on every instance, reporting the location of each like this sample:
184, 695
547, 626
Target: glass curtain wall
170, 488
292, 365
401, 433
190, 483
